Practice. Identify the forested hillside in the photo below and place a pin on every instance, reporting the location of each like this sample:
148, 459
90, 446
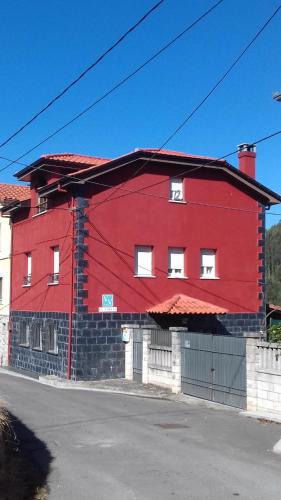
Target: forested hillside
273, 264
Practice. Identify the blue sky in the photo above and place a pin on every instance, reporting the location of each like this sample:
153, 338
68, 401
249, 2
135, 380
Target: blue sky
46, 44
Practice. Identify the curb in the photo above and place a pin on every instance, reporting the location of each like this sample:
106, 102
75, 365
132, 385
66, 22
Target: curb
57, 384
262, 415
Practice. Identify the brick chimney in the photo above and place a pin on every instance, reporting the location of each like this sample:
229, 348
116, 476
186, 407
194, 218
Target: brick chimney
247, 159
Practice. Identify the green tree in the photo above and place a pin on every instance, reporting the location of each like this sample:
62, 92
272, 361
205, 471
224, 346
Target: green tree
273, 264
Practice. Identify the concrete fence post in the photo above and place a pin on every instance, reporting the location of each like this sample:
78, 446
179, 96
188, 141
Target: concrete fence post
176, 333
251, 373
128, 339
146, 341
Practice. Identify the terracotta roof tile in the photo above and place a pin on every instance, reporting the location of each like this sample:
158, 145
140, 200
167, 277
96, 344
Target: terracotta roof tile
75, 158
14, 192
177, 153
182, 304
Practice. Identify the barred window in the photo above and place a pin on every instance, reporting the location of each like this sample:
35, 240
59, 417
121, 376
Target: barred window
53, 338
37, 336
24, 334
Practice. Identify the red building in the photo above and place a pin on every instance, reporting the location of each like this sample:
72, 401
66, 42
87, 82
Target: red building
102, 242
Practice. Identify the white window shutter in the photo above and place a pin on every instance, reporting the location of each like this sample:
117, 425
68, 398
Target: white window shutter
208, 257
29, 264
176, 262
56, 260
176, 189
143, 261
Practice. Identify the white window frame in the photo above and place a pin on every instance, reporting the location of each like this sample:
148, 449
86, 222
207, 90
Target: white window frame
176, 195
208, 258
54, 276
147, 273
42, 204
176, 258
27, 277
1, 289
26, 327
53, 334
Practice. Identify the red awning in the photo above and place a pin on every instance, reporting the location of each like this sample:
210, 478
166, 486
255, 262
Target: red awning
182, 304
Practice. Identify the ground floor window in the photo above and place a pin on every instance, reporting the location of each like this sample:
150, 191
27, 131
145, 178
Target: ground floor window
52, 338
24, 334
37, 336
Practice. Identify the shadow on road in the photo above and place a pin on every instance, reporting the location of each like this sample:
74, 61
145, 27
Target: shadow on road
24, 463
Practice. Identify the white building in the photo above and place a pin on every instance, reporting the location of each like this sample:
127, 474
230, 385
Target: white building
8, 193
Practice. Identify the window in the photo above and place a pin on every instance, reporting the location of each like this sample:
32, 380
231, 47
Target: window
54, 277
42, 204
24, 334
52, 338
208, 263
176, 189
176, 262
37, 336
27, 277
143, 261
1, 290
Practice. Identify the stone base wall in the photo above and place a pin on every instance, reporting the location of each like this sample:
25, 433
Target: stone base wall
4, 332
237, 324
97, 349
40, 362
263, 377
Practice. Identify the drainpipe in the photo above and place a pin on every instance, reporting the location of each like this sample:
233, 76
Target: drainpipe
68, 373
10, 295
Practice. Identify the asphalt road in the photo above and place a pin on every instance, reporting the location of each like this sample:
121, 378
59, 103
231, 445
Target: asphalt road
110, 446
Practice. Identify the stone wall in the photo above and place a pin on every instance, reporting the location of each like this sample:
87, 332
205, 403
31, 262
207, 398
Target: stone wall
263, 376
4, 326
38, 361
97, 348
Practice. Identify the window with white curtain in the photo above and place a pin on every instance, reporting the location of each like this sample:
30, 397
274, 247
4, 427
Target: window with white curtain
208, 263
176, 262
176, 189
143, 261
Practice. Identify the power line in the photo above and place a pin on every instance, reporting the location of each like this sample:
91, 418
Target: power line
217, 84
186, 171
115, 87
84, 72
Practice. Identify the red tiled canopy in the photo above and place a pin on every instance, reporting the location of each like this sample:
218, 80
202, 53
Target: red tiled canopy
182, 304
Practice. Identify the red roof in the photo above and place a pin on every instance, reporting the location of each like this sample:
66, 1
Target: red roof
274, 307
177, 153
182, 304
14, 192
75, 158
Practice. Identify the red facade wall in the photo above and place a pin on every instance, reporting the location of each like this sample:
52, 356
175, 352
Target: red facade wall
125, 220
38, 235
119, 220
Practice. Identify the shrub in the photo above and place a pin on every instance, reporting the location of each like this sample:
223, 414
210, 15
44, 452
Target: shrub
274, 333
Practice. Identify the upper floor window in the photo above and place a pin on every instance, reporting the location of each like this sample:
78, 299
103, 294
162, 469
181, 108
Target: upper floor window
54, 276
176, 189
208, 263
176, 262
143, 261
27, 277
42, 204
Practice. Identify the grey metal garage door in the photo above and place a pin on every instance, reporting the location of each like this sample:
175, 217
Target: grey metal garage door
214, 368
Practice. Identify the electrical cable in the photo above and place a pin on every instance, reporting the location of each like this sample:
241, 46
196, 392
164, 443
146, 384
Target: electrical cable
81, 75
115, 87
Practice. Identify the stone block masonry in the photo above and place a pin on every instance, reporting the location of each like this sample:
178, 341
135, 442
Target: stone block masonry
39, 361
97, 348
